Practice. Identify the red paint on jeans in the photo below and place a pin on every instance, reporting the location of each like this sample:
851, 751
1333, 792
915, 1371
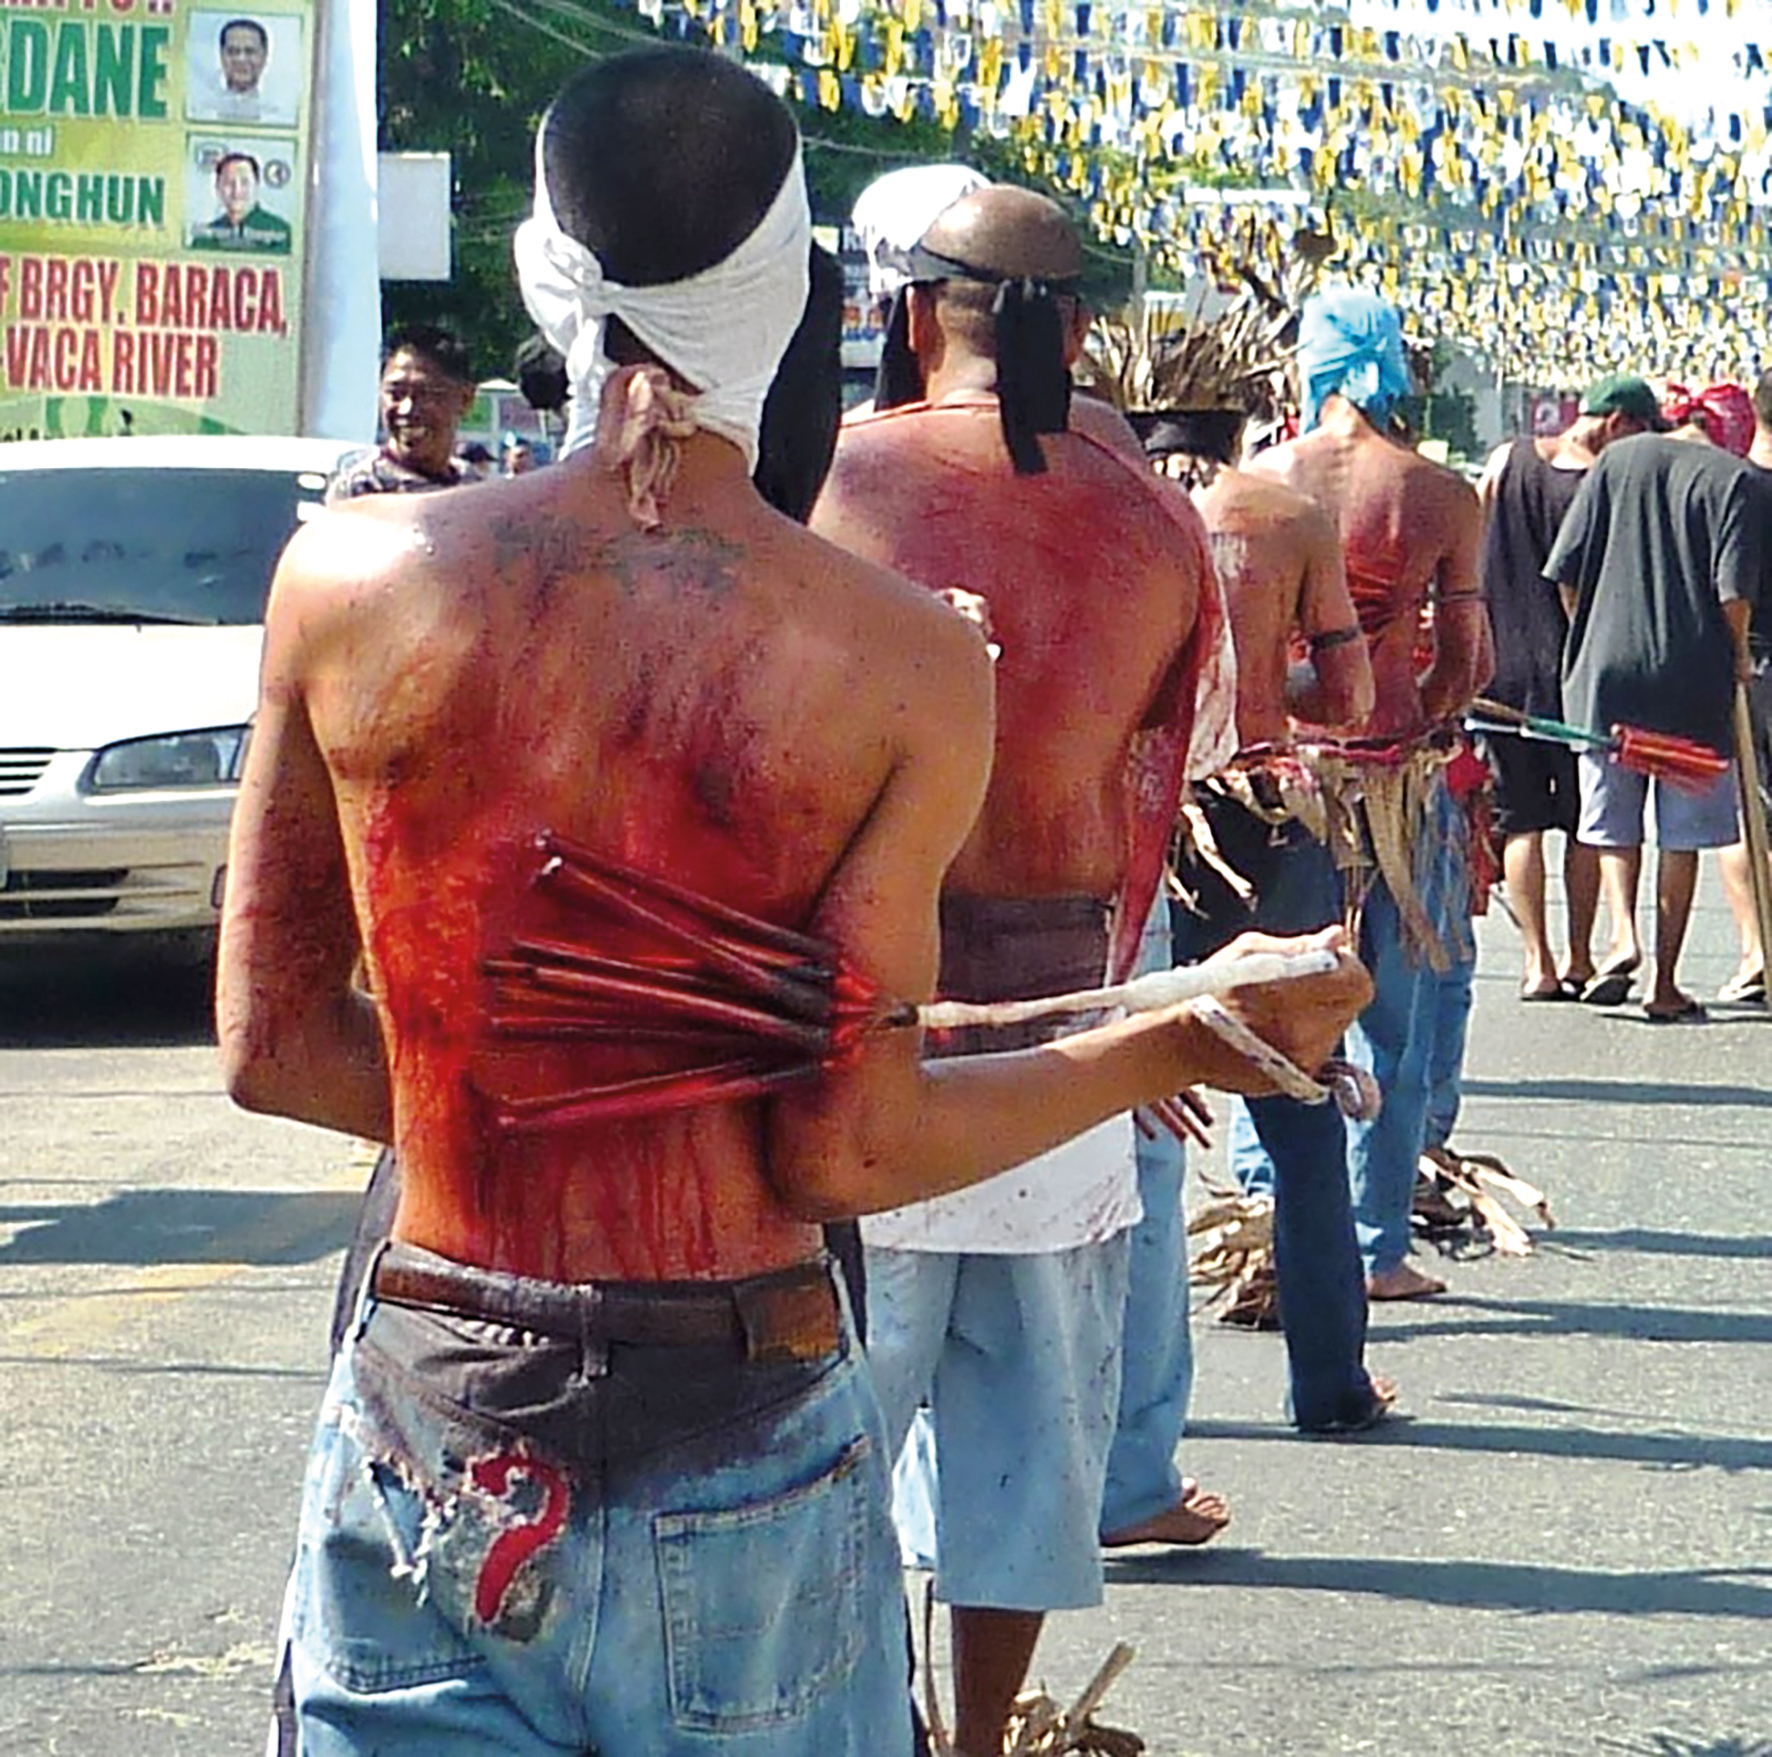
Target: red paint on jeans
496, 1476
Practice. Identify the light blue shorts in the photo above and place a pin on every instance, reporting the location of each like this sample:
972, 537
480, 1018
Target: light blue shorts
1018, 1361
1613, 798
714, 1571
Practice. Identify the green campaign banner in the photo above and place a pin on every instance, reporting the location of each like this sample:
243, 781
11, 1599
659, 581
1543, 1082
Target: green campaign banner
153, 184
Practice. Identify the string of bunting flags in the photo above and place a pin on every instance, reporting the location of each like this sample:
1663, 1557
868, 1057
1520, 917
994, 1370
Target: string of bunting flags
1479, 166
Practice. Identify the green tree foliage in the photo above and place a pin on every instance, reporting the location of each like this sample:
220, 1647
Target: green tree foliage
472, 78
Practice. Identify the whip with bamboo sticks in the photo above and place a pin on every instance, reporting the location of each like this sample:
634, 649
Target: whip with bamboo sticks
765, 1006
1663, 756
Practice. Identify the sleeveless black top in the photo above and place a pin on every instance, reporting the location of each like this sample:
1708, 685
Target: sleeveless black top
1529, 503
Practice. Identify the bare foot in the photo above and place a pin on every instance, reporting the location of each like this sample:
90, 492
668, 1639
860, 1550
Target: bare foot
1385, 1390
1197, 1518
1403, 1282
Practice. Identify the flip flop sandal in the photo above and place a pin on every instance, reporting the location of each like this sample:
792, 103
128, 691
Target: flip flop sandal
1692, 1013
1610, 987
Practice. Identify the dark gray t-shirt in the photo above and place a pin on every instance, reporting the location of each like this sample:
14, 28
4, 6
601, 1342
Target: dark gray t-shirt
1662, 534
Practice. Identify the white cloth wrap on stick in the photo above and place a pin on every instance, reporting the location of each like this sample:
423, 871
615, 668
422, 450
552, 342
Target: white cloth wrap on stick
1143, 994
723, 330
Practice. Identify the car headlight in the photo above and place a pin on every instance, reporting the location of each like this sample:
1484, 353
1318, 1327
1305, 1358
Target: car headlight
176, 759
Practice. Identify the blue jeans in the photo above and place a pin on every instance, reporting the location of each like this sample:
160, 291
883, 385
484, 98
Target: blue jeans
698, 1558
1410, 1038
1445, 1068
1451, 901
1157, 1360
1295, 1152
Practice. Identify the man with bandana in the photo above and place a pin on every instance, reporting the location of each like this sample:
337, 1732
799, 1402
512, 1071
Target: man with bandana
1411, 534
1001, 1307
1251, 858
635, 798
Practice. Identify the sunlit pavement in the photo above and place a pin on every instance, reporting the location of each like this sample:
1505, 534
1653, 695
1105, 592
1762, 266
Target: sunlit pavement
1565, 1547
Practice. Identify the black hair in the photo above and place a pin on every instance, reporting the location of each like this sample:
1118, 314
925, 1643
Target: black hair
244, 24
474, 452
664, 161
805, 403
437, 347
1212, 434
237, 158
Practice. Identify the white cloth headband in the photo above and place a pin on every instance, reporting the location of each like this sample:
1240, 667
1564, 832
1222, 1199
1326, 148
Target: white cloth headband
723, 330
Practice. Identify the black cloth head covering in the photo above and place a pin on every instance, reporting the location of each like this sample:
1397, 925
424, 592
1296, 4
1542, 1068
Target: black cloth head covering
1200, 433
898, 379
540, 370
804, 407
1033, 382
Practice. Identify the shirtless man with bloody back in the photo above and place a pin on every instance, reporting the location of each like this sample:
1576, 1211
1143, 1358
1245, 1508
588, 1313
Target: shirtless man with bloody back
621, 782
1002, 1306
1254, 861
1411, 533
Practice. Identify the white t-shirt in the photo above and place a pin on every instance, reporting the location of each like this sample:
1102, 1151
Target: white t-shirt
1077, 1194
212, 99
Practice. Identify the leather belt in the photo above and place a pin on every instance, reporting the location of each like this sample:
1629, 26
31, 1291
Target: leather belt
790, 1314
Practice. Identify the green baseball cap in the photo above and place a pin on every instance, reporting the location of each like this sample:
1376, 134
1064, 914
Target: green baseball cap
1621, 393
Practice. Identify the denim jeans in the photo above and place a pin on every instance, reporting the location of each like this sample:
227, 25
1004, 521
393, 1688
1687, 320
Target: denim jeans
1157, 1365
1411, 1036
1445, 1067
1295, 1152
699, 1558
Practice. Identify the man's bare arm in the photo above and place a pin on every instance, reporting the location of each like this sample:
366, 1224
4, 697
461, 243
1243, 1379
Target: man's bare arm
1464, 648
297, 1037
1335, 689
890, 1128
1489, 485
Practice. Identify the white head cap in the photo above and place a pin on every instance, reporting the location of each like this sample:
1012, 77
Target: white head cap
894, 212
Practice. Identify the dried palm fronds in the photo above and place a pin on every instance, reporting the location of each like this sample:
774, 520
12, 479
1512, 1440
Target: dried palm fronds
1038, 1726
1230, 345
1233, 1258
1457, 1191
1183, 359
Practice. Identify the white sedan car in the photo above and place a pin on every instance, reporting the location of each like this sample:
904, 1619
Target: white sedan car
133, 575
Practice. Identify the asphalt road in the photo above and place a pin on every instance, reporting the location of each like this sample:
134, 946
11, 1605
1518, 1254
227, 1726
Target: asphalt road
165, 1267
1565, 1548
